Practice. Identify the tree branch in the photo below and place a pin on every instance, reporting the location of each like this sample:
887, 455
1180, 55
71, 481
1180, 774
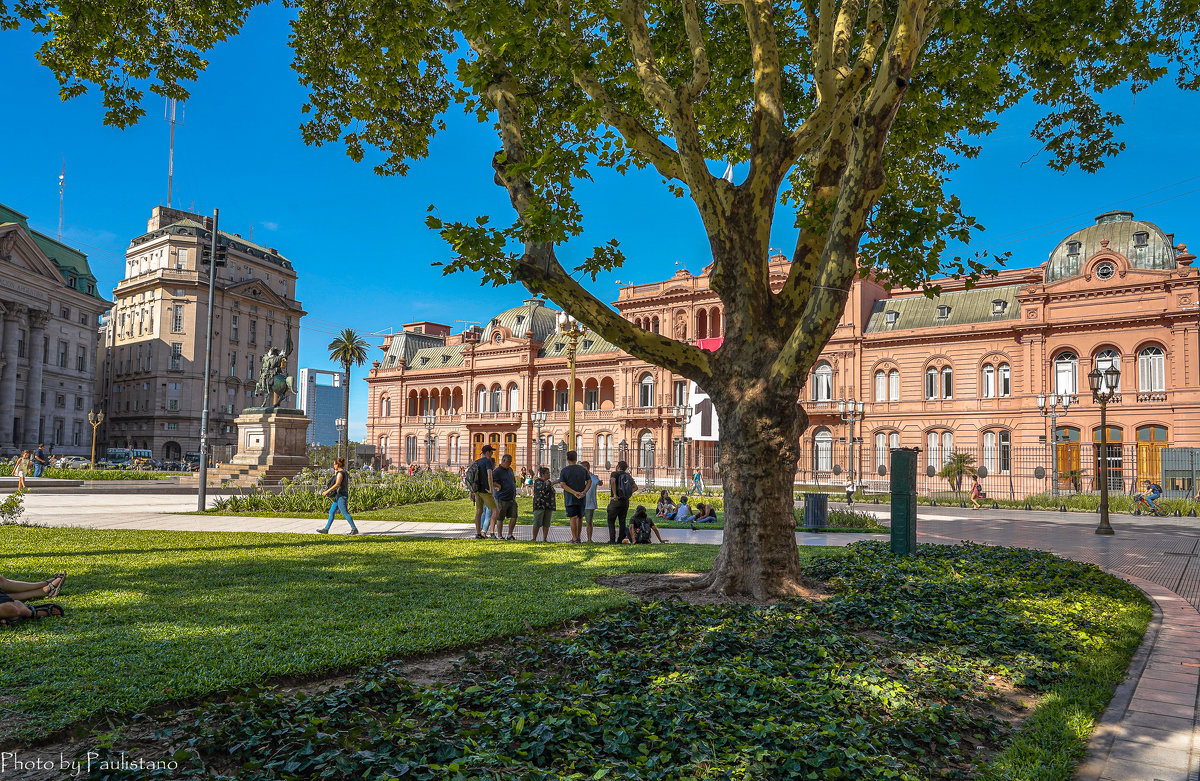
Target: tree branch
700, 69
664, 159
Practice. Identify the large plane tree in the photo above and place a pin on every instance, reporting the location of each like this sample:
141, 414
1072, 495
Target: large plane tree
849, 113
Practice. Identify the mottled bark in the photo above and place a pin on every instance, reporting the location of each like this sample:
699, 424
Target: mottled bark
760, 432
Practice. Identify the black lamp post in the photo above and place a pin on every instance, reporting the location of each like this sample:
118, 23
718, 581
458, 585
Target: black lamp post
1104, 389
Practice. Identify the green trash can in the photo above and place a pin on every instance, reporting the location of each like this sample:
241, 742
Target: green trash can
904, 500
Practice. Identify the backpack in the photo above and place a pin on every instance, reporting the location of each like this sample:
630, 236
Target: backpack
642, 537
624, 486
471, 478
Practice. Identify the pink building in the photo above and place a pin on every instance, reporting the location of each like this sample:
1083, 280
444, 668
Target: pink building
958, 373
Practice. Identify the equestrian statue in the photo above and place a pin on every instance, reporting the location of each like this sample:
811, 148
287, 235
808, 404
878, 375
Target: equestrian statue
274, 382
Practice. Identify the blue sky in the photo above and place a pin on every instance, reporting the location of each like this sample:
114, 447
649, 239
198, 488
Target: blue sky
359, 243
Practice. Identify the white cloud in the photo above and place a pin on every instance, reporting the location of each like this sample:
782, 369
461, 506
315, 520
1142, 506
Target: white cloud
271, 226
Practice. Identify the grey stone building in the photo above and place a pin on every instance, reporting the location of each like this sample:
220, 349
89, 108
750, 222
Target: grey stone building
50, 306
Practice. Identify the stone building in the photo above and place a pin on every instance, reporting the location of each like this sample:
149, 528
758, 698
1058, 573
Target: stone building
50, 307
152, 371
961, 372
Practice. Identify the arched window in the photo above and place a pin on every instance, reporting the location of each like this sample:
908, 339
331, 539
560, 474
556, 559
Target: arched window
646, 449
947, 447
495, 399
481, 399
822, 382
1005, 377
947, 383
654, 324
560, 396
1005, 452
1152, 370
931, 383
1066, 371
385, 407
822, 450
880, 386
894, 385
989, 383
646, 390
1108, 358
702, 324
383, 450
989, 450
881, 449
933, 451
514, 398
714, 322
1151, 441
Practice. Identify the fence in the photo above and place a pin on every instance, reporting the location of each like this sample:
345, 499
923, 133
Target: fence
1065, 468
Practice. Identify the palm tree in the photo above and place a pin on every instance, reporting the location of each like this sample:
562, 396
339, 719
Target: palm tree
958, 465
349, 349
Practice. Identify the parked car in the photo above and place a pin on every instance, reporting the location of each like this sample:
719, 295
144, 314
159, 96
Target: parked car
73, 462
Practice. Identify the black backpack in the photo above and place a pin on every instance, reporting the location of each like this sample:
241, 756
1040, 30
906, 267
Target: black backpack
624, 486
642, 536
472, 476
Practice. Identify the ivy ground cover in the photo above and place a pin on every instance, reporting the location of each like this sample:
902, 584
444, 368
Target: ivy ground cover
156, 616
907, 671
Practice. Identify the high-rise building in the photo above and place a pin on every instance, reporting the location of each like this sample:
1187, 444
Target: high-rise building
152, 378
50, 305
323, 400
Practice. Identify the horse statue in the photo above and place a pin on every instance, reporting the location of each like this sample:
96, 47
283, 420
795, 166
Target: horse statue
274, 383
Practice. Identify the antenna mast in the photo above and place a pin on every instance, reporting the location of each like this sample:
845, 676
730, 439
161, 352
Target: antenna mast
61, 179
169, 116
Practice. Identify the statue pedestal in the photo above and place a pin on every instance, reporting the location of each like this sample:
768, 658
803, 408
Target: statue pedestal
272, 440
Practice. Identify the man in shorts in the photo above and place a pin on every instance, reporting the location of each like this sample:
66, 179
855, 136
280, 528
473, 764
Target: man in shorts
505, 483
481, 492
575, 481
544, 503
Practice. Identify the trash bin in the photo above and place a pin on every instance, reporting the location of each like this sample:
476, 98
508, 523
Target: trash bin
816, 511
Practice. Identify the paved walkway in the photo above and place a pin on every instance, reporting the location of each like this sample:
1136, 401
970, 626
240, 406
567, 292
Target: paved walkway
1150, 730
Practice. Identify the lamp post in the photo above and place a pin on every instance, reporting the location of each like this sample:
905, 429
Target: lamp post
851, 412
1049, 406
538, 419
340, 424
95, 418
430, 421
683, 415
569, 327
1104, 389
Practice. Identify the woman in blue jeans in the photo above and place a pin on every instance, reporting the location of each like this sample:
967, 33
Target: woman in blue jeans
339, 491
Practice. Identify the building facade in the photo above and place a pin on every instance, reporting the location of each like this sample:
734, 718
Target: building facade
50, 306
959, 373
153, 343
323, 400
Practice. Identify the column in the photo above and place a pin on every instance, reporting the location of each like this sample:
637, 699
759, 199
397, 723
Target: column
13, 314
33, 393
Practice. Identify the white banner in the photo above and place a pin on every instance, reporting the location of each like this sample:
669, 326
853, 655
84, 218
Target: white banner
703, 425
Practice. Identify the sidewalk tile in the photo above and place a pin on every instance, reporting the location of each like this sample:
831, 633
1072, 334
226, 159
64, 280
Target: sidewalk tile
1124, 770
1148, 755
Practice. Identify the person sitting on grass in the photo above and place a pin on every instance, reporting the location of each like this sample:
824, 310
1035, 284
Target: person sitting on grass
642, 525
705, 514
545, 501
665, 505
15, 593
683, 513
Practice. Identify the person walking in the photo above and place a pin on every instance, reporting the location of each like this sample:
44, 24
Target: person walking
849, 490
506, 498
39, 461
21, 468
478, 479
697, 483
976, 493
339, 491
544, 504
621, 487
574, 480
589, 501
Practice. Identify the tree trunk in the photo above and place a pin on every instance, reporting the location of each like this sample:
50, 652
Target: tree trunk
760, 433
346, 417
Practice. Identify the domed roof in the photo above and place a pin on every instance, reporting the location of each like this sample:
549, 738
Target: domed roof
532, 315
1143, 243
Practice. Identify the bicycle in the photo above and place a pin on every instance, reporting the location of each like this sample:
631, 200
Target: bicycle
1143, 502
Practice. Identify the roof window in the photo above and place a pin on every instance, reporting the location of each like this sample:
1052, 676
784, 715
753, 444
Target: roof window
587, 344
1141, 238
424, 359
998, 306
943, 311
891, 316
558, 347
445, 358
1073, 247
520, 319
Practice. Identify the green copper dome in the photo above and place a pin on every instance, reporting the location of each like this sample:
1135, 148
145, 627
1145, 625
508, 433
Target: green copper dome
1143, 243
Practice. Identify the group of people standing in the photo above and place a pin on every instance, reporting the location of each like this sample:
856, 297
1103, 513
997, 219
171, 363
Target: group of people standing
30, 464
494, 489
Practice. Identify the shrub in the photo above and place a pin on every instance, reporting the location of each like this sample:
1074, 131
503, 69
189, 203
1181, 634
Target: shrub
12, 507
367, 492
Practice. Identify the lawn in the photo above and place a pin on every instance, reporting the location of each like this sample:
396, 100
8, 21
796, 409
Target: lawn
159, 616
911, 669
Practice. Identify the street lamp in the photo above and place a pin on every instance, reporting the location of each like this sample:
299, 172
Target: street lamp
95, 418
430, 421
569, 327
538, 419
1049, 408
1104, 389
851, 412
340, 424
683, 415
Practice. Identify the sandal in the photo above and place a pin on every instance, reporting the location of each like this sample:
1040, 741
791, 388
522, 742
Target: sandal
47, 610
61, 578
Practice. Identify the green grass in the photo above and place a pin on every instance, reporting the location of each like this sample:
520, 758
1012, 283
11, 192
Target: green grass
158, 616
98, 474
895, 676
